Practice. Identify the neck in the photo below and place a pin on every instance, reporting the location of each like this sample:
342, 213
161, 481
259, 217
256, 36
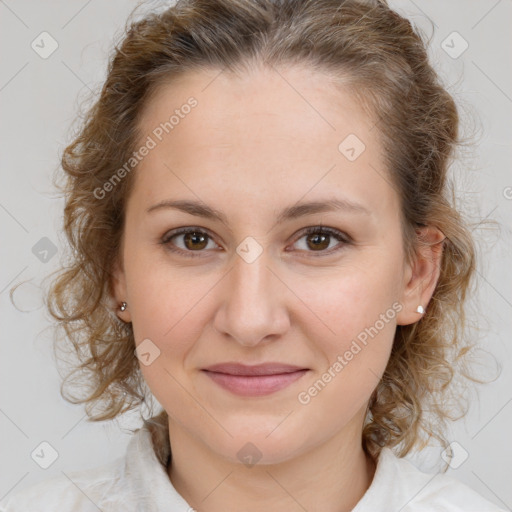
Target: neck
313, 480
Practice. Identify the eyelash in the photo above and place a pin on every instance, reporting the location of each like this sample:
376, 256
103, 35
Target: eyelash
314, 230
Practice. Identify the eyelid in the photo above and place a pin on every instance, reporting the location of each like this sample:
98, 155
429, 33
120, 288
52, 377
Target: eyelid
184, 230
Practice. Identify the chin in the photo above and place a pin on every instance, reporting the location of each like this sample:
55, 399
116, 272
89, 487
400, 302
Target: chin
252, 444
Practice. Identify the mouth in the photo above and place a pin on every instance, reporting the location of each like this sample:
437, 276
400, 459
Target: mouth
258, 380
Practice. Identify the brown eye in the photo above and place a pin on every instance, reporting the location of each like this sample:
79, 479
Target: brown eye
322, 240
195, 240
188, 241
318, 241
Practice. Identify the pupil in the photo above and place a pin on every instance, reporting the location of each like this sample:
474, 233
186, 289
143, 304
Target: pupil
195, 238
323, 239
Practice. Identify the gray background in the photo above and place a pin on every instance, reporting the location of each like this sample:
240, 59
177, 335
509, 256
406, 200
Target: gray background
39, 99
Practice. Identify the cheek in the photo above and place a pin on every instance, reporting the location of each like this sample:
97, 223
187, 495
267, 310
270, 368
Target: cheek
169, 308
348, 303
162, 297
169, 316
355, 352
355, 334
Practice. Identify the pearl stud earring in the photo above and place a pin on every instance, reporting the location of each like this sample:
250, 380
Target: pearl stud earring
420, 310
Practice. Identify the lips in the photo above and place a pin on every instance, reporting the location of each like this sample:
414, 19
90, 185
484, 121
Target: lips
260, 369
254, 381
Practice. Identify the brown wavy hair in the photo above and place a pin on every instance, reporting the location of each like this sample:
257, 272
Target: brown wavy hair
382, 60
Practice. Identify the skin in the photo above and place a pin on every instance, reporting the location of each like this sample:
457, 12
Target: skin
253, 146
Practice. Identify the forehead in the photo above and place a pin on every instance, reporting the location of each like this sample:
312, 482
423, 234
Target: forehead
287, 132
266, 102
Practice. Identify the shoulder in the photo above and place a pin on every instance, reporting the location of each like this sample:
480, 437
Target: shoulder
399, 482
132, 482
80, 491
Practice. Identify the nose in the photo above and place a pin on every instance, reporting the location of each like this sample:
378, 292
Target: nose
252, 307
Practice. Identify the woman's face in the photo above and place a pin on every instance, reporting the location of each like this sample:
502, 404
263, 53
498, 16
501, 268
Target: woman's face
251, 287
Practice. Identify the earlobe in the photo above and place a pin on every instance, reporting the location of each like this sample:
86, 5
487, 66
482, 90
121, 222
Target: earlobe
119, 289
422, 275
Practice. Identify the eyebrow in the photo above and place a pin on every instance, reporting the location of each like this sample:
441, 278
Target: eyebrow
291, 212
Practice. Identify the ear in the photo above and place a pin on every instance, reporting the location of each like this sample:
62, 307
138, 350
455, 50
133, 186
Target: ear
421, 276
119, 289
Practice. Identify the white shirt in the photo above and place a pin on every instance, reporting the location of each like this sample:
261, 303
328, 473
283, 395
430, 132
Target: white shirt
138, 482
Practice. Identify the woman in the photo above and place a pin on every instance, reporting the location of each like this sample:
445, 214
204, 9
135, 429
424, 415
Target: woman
262, 235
